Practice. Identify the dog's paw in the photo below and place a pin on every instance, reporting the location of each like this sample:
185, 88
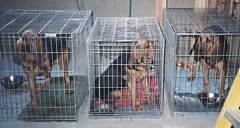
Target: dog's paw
148, 95
205, 87
191, 78
137, 106
151, 101
32, 108
69, 92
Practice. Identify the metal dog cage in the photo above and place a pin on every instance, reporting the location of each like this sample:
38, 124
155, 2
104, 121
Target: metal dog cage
52, 103
181, 29
109, 41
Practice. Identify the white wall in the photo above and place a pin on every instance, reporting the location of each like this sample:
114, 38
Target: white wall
180, 3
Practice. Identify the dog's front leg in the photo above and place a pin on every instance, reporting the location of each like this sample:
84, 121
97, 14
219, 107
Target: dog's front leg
132, 87
63, 63
69, 91
46, 69
147, 91
194, 72
205, 76
32, 86
47, 80
220, 68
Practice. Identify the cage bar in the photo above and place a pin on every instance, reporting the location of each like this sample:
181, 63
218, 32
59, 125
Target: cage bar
55, 28
183, 30
109, 47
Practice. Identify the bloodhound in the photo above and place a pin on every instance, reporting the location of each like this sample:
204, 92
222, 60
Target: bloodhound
130, 67
37, 56
210, 50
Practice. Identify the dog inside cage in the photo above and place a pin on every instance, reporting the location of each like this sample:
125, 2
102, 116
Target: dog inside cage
37, 56
205, 66
205, 49
30, 83
42, 73
129, 82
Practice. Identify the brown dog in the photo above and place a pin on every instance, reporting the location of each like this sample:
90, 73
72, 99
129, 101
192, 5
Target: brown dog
141, 59
123, 73
210, 51
37, 56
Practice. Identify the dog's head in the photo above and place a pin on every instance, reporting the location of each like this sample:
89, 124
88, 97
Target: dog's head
28, 48
142, 52
206, 45
209, 43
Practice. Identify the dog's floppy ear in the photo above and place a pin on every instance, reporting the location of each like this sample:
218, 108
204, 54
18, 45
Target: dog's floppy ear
38, 49
135, 50
17, 55
196, 38
209, 39
150, 42
150, 45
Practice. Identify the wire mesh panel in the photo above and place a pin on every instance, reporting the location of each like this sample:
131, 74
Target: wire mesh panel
125, 67
42, 61
201, 60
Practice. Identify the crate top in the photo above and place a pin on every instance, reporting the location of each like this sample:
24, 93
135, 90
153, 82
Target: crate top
125, 29
43, 21
194, 21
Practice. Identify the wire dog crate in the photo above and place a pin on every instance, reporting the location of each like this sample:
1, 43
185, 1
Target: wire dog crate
110, 46
188, 33
60, 33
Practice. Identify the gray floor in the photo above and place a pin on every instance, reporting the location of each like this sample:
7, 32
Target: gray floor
200, 122
166, 121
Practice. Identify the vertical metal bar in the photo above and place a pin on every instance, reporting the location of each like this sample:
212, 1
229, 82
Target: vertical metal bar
130, 8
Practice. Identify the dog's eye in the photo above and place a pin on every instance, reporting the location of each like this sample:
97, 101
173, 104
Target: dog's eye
200, 39
138, 47
32, 39
208, 39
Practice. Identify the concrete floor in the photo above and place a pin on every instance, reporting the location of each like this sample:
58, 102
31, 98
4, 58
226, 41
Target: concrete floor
166, 121
198, 122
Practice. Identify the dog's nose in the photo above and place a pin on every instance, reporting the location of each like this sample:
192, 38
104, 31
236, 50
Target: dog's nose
26, 48
147, 60
200, 52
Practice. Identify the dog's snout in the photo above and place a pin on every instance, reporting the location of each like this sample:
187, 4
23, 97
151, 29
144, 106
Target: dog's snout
147, 60
200, 51
26, 48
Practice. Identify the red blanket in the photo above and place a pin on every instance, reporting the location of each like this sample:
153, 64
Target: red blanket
125, 98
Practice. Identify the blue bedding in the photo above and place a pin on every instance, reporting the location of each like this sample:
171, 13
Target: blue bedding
184, 86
